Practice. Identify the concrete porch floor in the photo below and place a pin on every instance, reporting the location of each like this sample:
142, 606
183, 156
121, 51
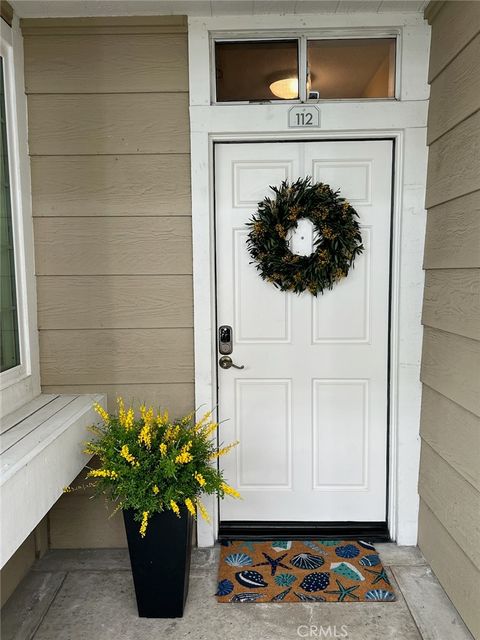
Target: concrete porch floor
85, 594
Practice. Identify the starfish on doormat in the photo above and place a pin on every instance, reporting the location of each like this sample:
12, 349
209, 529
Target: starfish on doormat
344, 592
273, 562
379, 575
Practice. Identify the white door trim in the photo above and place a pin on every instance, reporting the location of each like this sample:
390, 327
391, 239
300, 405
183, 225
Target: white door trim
405, 122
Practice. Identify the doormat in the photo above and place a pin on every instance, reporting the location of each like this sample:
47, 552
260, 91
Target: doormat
302, 571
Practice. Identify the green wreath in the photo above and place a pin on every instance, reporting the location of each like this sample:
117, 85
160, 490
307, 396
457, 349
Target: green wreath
337, 238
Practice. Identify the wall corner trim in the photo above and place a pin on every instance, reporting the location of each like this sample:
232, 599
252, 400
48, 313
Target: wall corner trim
432, 10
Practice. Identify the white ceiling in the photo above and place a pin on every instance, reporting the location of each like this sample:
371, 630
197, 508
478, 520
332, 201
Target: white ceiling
81, 8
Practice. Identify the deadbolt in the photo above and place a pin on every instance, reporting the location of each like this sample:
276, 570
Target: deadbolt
225, 339
226, 362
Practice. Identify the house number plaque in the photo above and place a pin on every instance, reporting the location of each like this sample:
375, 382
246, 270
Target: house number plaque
304, 117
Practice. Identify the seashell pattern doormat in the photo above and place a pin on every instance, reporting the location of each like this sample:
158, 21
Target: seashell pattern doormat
302, 571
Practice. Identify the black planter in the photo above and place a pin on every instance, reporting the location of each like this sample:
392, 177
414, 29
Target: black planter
160, 562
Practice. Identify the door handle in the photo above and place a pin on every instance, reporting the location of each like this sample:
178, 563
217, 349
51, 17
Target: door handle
226, 362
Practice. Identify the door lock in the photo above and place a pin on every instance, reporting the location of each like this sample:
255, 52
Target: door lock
225, 340
226, 362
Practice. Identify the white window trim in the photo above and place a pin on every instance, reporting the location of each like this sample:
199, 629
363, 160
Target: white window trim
21, 383
404, 120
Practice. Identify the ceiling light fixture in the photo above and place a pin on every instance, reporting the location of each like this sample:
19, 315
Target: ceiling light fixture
284, 85
285, 88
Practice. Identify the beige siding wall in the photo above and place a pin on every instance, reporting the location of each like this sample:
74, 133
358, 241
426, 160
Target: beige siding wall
449, 484
109, 146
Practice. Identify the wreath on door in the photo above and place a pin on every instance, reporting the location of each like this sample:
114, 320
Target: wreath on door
337, 237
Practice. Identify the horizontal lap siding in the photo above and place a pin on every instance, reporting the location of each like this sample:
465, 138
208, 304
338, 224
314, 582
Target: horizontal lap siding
452, 301
108, 123
165, 302
455, 502
449, 484
450, 366
64, 63
116, 185
458, 575
113, 246
453, 162
109, 145
452, 29
454, 92
453, 234
110, 356
452, 432
165, 395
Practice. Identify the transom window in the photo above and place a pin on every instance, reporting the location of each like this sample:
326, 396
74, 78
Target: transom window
306, 69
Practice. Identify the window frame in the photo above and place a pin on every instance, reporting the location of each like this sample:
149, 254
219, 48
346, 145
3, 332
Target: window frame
303, 37
257, 39
23, 370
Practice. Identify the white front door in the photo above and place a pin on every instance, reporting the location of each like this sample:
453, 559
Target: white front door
310, 406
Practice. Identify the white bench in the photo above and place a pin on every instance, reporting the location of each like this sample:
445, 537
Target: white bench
41, 451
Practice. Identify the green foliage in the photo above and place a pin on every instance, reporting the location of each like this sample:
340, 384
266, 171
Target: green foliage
338, 240
150, 463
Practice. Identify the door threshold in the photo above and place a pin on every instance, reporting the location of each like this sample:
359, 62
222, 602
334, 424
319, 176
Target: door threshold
254, 530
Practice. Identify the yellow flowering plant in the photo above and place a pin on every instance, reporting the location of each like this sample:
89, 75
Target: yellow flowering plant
150, 463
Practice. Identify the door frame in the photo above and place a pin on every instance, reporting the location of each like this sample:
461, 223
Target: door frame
404, 121
368, 530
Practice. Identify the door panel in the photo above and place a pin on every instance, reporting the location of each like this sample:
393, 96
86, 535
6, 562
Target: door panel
271, 320
330, 323
337, 404
310, 406
264, 406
